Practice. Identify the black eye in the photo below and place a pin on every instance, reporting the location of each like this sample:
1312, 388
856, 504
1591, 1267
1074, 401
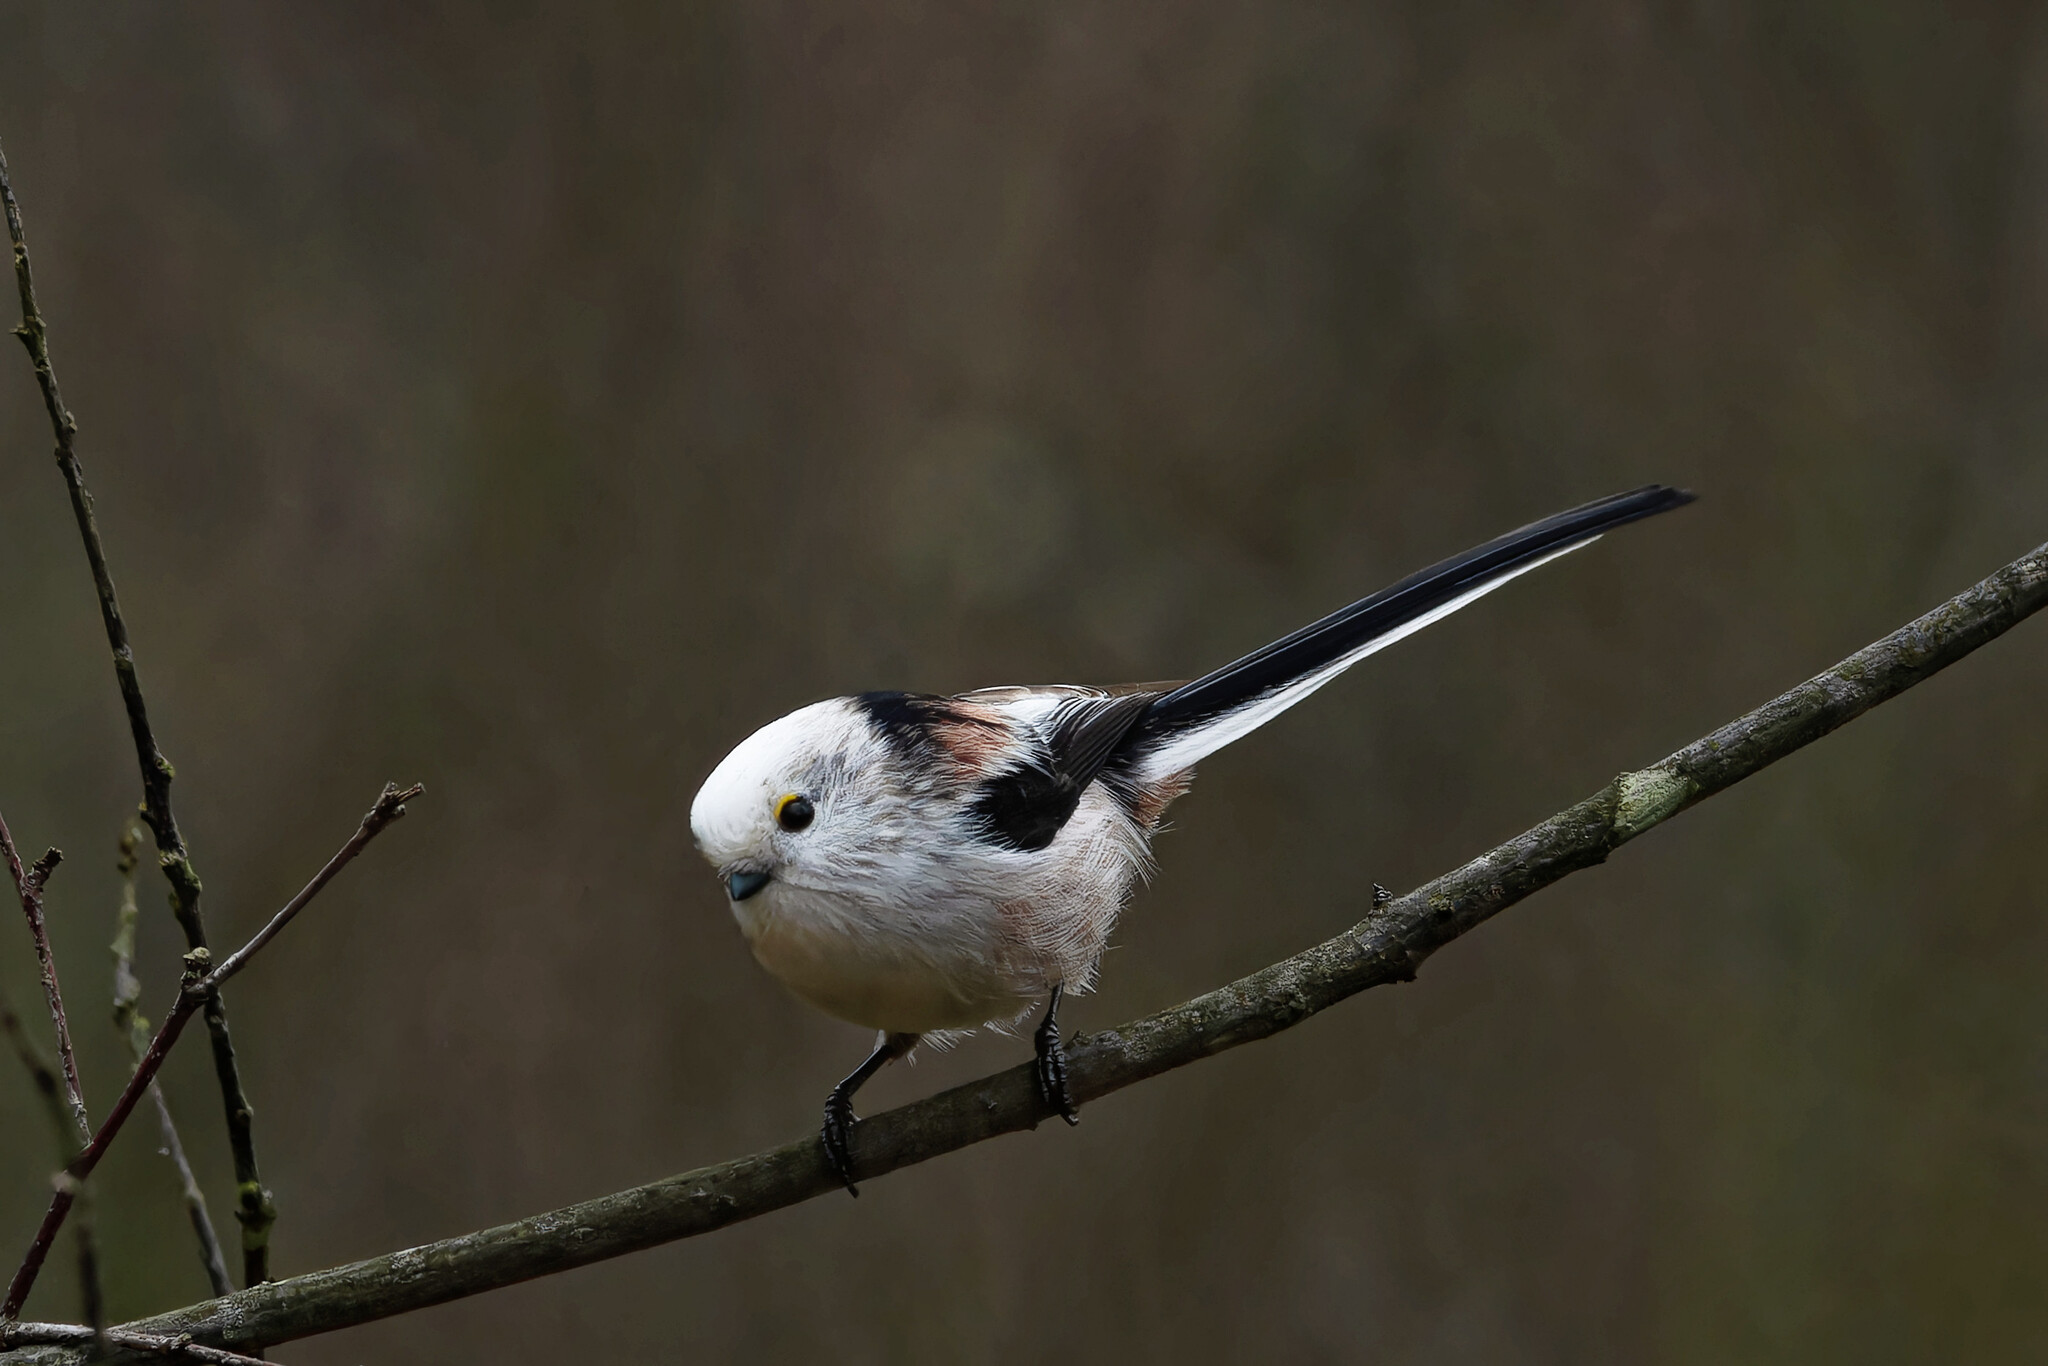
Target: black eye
794, 812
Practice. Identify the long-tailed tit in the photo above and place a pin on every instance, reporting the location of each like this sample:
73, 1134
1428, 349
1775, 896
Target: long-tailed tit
921, 864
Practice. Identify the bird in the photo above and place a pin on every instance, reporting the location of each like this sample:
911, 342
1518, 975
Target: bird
925, 865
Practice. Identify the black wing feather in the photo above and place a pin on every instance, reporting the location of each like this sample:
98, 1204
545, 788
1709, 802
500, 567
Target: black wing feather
1090, 737
1315, 645
1025, 806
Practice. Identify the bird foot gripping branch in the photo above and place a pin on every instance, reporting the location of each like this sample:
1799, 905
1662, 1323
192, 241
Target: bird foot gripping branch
1381, 948
925, 865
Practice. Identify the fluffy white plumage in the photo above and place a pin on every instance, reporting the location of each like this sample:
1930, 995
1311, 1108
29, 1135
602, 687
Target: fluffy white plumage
891, 909
962, 856
923, 864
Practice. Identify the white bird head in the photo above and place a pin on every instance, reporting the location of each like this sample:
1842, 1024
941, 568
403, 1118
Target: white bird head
776, 805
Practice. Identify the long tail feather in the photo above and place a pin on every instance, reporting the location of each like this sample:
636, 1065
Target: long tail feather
1199, 718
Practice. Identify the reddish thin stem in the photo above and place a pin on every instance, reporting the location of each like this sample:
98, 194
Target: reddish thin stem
256, 1210
82, 1166
199, 987
390, 806
29, 883
134, 1031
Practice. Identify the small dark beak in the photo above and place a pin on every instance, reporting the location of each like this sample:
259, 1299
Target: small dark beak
743, 885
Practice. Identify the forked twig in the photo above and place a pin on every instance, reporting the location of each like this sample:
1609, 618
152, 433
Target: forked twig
135, 1030
256, 1209
1387, 946
29, 884
67, 1103
201, 984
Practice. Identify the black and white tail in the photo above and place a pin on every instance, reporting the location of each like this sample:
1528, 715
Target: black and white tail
1199, 718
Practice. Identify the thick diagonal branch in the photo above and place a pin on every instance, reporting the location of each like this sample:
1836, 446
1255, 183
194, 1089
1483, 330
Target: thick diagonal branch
1387, 946
173, 1349
255, 1207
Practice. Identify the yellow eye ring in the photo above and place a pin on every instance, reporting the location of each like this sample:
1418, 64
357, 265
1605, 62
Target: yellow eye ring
793, 811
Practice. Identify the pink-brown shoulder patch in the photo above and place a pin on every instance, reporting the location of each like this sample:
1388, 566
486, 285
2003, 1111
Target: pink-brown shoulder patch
973, 735
1153, 799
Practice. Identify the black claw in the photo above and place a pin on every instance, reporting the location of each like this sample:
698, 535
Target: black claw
839, 1116
839, 1122
1052, 1063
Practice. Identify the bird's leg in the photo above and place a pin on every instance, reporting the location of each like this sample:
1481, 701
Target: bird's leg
839, 1116
1052, 1061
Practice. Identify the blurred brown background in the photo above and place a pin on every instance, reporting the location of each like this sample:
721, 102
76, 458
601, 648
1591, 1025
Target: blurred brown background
532, 401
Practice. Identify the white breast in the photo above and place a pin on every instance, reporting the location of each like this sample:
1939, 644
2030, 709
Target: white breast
945, 935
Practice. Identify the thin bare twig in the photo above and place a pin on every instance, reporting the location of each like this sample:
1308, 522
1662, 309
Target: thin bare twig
135, 1029
390, 806
68, 1114
1387, 946
29, 884
43, 1073
255, 1208
179, 1347
64, 1131
202, 983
